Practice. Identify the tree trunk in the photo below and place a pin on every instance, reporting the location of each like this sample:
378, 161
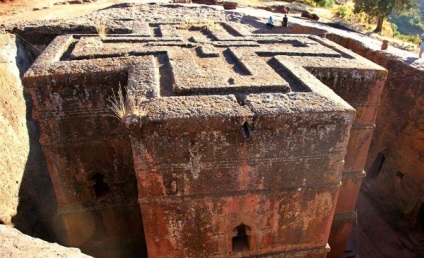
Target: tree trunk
379, 24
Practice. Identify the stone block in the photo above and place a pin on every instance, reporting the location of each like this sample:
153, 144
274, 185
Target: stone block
236, 142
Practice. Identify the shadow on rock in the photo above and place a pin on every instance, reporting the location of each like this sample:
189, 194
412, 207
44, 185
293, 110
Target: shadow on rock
37, 211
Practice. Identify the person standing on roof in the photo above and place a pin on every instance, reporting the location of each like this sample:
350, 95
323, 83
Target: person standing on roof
285, 21
270, 23
421, 45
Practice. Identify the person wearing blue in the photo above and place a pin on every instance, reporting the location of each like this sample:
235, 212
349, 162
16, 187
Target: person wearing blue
422, 45
270, 23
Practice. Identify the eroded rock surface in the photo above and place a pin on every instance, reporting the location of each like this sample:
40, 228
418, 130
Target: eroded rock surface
27, 198
14, 244
14, 140
229, 116
394, 120
395, 164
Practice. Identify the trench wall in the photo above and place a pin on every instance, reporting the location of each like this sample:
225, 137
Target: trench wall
395, 163
14, 133
27, 200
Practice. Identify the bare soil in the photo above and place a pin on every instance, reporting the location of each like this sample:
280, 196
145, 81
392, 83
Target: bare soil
14, 11
29, 10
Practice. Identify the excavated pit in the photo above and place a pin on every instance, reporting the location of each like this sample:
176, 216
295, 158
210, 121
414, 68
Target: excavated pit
247, 81
37, 209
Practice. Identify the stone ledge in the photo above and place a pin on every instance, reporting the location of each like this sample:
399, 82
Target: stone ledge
16, 244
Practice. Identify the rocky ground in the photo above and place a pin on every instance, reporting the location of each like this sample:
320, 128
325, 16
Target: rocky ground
14, 244
16, 11
374, 237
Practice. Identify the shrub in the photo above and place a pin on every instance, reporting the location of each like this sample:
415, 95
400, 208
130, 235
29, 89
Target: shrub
395, 33
324, 3
409, 38
344, 12
320, 3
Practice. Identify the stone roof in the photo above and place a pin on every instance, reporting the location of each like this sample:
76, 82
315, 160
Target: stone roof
195, 70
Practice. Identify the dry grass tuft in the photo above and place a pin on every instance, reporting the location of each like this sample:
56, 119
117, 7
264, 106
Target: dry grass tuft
116, 103
101, 30
139, 111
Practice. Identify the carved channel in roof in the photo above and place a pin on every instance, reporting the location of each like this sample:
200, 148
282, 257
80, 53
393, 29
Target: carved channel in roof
202, 59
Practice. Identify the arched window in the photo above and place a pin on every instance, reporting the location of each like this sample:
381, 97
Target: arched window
241, 238
101, 188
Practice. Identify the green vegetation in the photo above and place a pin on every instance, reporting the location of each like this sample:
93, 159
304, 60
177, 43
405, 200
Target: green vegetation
381, 9
344, 12
360, 20
324, 3
415, 39
411, 26
411, 22
321, 3
408, 23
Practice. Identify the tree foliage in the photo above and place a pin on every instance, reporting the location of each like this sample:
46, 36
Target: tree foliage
381, 9
324, 3
408, 24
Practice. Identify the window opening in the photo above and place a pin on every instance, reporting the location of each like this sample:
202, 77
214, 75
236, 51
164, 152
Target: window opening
240, 241
420, 218
101, 188
247, 133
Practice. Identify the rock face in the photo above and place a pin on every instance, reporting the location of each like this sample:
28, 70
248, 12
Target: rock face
395, 165
14, 140
26, 194
236, 147
15, 244
360, 87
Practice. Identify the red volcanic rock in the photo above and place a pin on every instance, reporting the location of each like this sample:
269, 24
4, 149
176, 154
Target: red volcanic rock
228, 5
207, 2
182, 1
234, 143
309, 15
395, 164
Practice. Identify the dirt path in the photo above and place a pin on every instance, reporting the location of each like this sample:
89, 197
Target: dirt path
29, 10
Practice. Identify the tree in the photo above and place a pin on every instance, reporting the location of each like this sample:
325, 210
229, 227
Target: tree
324, 3
381, 9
